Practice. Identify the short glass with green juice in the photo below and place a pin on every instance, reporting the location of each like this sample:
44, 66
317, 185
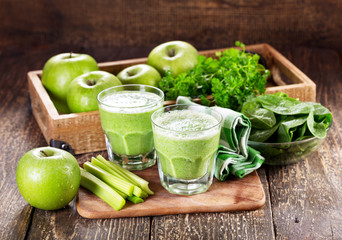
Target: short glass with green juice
125, 113
186, 139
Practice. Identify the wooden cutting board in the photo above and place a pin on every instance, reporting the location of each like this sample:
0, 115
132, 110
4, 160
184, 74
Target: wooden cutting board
231, 195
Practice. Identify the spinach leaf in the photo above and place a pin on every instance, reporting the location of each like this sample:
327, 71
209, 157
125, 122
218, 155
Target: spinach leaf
284, 105
279, 118
322, 114
261, 135
318, 129
260, 118
302, 132
288, 127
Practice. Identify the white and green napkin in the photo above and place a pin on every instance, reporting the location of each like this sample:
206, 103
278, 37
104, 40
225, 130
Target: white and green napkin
234, 156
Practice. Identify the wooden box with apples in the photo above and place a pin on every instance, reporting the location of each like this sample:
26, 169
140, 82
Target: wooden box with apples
82, 132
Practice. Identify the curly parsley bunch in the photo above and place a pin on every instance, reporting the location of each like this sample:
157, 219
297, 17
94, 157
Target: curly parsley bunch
231, 78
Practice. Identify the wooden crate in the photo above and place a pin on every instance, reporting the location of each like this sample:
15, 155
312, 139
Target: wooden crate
82, 132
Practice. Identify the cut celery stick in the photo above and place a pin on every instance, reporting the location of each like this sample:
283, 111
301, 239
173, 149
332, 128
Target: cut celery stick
103, 162
124, 195
106, 166
135, 199
102, 190
111, 180
136, 179
137, 191
144, 194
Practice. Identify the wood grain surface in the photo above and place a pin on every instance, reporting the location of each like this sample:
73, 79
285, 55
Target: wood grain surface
303, 201
209, 24
306, 197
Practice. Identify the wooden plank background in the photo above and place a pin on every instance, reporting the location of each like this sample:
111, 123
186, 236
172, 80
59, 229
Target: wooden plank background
303, 201
208, 24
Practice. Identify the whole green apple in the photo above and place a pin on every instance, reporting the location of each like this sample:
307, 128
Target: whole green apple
60, 105
61, 69
48, 178
140, 74
174, 56
83, 90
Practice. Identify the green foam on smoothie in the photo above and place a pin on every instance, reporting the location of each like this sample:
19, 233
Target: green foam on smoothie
130, 99
186, 120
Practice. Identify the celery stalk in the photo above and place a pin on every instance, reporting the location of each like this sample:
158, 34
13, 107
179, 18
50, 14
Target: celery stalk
137, 191
108, 178
142, 183
124, 195
144, 194
106, 166
102, 190
135, 199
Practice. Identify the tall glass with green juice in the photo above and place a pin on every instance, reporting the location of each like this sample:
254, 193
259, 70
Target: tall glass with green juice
125, 113
186, 139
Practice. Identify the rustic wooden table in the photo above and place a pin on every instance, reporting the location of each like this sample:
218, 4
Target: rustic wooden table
303, 201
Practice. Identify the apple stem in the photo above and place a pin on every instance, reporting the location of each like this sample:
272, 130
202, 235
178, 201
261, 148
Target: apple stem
70, 54
91, 82
44, 153
172, 52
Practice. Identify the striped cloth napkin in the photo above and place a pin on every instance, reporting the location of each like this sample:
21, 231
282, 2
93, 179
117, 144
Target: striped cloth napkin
233, 156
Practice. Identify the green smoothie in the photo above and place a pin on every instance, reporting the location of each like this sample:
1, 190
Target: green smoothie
185, 145
126, 121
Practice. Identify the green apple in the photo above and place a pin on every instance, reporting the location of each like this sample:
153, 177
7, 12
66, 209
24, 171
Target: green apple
48, 178
83, 90
60, 105
140, 74
61, 69
174, 56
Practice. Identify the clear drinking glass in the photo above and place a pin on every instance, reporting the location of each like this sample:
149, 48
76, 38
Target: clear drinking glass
125, 113
186, 138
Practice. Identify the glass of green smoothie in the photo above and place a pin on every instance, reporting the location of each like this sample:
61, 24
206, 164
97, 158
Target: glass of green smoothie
125, 113
186, 138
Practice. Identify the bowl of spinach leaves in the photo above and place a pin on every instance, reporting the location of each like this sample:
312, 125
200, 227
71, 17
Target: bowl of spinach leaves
284, 129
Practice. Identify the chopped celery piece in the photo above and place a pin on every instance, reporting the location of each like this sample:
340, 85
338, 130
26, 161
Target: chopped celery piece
137, 191
135, 199
144, 194
102, 190
124, 195
108, 178
106, 166
136, 179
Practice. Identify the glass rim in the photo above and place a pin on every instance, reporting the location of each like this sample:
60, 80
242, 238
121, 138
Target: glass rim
161, 95
182, 131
